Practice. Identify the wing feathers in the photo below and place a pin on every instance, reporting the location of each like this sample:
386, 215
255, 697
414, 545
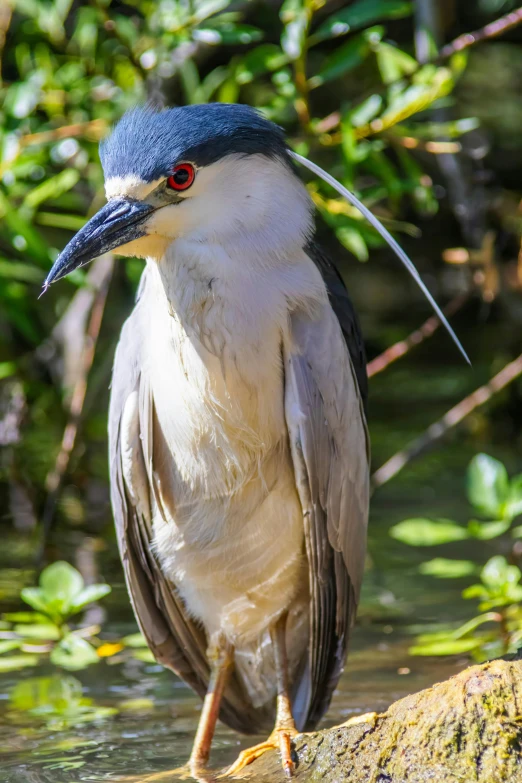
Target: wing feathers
329, 445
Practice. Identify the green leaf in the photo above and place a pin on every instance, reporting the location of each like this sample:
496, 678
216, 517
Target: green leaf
45, 631
208, 8
428, 532
61, 584
144, 655
353, 241
227, 34
74, 653
365, 111
25, 617
35, 598
443, 568
89, 595
8, 645
498, 573
262, 59
134, 640
446, 647
471, 625
295, 17
16, 270
514, 501
394, 63
485, 531
13, 662
52, 188
7, 369
488, 485
347, 56
358, 15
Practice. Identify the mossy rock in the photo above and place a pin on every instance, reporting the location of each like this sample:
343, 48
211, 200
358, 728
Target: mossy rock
467, 729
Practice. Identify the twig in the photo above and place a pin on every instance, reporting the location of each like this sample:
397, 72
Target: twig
55, 477
491, 30
430, 326
6, 12
453, 417
460, 43
93, 128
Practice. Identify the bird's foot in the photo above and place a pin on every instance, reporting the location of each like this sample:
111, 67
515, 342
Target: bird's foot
280, 739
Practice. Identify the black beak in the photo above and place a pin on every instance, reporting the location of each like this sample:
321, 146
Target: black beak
117, 223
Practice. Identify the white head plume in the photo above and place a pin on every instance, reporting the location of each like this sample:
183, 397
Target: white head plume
370, 217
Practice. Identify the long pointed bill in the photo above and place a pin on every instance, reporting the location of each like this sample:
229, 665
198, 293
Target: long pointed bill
397, 249
117, 223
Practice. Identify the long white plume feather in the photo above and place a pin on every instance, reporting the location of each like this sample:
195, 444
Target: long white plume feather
397, 249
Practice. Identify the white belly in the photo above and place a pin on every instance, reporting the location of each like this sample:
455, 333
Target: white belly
228, 526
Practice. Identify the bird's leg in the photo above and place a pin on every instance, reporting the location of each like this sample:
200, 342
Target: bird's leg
220, 656
284, 729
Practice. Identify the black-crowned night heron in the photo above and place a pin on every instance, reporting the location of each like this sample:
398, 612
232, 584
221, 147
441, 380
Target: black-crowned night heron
239, 453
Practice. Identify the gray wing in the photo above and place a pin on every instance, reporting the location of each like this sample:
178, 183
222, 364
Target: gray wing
175, 640
330, 450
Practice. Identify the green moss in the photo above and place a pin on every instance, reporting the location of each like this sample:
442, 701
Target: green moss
468, 728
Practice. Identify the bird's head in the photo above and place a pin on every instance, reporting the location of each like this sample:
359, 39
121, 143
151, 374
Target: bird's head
214, 173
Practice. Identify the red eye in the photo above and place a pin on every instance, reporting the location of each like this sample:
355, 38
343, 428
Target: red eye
182, 177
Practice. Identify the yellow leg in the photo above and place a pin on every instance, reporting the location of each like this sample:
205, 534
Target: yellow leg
221, 659
284, 730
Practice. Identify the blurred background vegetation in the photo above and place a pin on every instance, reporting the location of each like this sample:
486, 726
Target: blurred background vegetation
420, 120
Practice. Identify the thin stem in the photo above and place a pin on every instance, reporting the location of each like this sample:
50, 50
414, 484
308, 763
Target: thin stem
402, 347
55, 477
453, 417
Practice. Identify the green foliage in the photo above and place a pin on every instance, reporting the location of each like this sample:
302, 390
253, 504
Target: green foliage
492, 493
46, 634
60, 595
69, 71
57, 700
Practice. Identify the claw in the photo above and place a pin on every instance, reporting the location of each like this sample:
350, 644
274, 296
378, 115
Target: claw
280, 739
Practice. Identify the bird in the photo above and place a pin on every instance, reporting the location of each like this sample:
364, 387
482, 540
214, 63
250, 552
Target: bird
238, 437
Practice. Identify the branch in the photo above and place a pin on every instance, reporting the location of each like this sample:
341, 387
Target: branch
401, 348
55, 478
453, 417
491, 30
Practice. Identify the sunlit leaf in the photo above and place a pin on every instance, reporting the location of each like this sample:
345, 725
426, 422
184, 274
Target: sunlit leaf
443, 568
498, 572
353, 241
447, 647
52, 188
89, 595
61, 584
38, 631
74, 653
8, 645
17, 270
35, 598
514, 500
14, 662
134, 640
394, 63
144, 655
358, 15
347, 56
488, 485
294, 15
485, 531
428, 532
228, 34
